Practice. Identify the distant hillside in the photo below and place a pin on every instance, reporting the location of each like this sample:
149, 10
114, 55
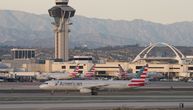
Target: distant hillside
30, 30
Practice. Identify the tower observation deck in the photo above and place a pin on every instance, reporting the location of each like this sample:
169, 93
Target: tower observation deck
61, 14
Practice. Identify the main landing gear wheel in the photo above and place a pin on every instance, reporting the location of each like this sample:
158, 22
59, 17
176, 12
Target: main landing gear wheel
94, 92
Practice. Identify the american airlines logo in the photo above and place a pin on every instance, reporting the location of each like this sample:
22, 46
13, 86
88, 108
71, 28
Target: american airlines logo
68, 84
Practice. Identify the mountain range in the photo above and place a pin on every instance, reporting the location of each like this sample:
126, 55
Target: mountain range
22, 29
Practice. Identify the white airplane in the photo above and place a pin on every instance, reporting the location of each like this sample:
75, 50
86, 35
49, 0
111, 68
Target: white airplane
62, 76
59, 76
122, 74
93, 86
74, 74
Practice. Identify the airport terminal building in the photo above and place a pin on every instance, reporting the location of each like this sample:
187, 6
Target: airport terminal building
25, 63
172, 67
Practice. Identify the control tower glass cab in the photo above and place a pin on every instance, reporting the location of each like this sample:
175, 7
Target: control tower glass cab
61, 14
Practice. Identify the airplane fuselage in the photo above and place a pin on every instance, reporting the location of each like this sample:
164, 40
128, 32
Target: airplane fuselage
78, 84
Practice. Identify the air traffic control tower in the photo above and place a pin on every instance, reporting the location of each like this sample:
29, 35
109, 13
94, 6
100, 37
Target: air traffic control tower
61, 14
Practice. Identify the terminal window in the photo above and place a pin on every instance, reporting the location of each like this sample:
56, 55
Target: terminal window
63, 67
139, 67
190, 68
23, 54
73, 67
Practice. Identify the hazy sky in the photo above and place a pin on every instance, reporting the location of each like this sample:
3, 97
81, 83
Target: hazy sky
163, 11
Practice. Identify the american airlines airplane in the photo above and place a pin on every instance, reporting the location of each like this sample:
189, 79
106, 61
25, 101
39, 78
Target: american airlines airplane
65, 76
122, 74
59, 76
75, 74
93, 86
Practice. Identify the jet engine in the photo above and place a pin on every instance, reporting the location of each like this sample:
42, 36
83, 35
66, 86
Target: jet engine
84, 90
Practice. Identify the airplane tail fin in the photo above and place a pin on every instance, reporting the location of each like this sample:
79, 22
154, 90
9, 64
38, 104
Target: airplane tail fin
140, 80
76, 68
92, 71
143, 75
75, 72
122, 73
93, 68
121, 68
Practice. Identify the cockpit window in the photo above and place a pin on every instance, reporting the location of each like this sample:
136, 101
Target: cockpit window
45, 83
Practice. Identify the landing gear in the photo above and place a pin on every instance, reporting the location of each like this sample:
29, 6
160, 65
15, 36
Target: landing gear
94, 92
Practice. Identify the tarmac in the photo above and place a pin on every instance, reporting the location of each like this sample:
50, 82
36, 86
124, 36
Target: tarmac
58, 101
163, 95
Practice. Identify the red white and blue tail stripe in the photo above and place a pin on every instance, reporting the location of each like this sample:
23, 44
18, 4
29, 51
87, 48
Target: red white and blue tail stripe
137, 82
92, 71
75, 72
77, 68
